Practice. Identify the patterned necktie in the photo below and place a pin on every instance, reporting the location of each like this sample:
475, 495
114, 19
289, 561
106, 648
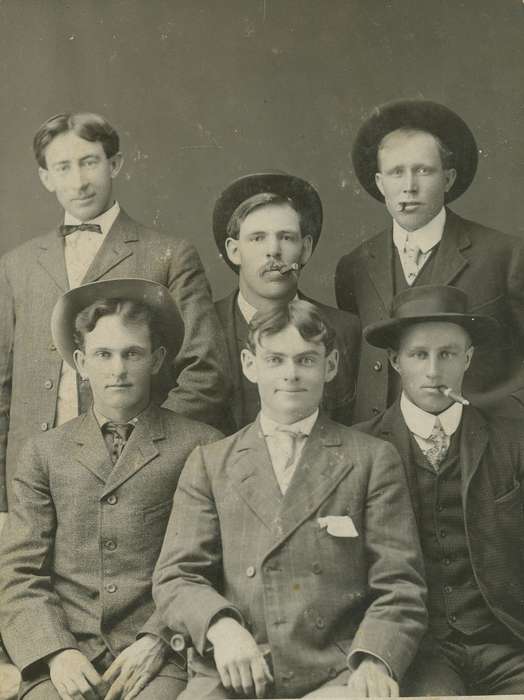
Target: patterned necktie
412, 253
116, 437
436, 453
66, 229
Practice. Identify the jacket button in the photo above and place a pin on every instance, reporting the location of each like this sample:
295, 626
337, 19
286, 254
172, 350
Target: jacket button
375, 411
112, 499
250, 571
51, 346
48, 384
178, 643
443, 532
447, 589
44, 426
452, 618
110, 544
377, 366
316, 568
447, 561
320, 623
332, 673
111, 588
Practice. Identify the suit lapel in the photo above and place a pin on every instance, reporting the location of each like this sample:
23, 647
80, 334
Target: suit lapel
51, 258
140, 449
473, 444
90, 448
117, 246
449, 261
233, 346
379, 252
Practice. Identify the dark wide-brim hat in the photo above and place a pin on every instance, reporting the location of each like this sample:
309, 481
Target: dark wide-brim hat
152, 294
423, 115
304, 196
430, 303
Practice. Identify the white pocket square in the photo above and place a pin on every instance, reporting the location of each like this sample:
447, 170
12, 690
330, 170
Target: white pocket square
338, 525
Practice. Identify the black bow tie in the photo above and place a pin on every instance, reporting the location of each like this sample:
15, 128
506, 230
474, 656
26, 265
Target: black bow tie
66, 229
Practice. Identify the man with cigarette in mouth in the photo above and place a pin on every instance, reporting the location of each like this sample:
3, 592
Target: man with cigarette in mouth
464, 473
266, 226
418, 157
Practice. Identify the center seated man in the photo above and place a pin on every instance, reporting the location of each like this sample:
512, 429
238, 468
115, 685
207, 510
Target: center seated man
91, 503
266, 226
291, 560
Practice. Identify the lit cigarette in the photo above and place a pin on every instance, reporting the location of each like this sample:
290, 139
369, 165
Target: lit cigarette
288, 268
447, 391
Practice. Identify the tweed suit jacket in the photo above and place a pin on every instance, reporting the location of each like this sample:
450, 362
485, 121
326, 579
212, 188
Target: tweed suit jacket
339, 394
492, 463
234, 543
487, 264
33, 277
82, 537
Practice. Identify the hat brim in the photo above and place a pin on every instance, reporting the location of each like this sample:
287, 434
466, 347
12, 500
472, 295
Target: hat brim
425, 116
303, 194
154, 295
385, 334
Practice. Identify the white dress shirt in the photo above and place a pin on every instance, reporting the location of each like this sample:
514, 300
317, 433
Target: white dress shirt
279, 458
426, 238
420, 423
80, 249
246, 309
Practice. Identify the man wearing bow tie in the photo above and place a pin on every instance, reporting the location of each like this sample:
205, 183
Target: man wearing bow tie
78, 157
464, 470
291, 558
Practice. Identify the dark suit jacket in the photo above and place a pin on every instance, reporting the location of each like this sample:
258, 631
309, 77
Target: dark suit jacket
235, 543
32, 278
492, 462
339, 394
79, 547
486, 264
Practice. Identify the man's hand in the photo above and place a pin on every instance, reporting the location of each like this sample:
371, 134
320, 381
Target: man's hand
371, 679
135, 667
238, 659
74, 677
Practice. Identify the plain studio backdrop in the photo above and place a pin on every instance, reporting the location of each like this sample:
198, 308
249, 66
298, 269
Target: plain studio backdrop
202, 91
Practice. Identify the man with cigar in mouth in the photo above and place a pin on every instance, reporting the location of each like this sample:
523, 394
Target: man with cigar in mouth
464, 473
266, 226
418, 157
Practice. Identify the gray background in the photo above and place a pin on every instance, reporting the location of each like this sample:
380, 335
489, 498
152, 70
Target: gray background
202, 91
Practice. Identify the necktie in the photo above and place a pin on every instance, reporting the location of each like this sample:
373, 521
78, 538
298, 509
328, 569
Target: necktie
436, 453
116, 437
288, 444
412, 253
66, 229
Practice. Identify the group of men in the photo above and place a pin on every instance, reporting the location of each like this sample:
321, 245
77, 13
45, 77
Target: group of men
146, 555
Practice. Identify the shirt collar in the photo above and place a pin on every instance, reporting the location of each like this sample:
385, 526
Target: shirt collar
421, 422
426, 237
246, 309
102, 420
304, 426
104, 220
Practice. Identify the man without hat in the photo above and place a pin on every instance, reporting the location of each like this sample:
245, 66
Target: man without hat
266, 227
291, 559
418, 156
464, 472
91, 501
78, 159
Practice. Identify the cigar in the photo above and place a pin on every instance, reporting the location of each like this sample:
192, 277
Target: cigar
458, 398
289, 268
401, 206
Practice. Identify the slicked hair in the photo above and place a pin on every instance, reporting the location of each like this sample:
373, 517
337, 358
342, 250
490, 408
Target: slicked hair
302, 315
87, 125
260, 200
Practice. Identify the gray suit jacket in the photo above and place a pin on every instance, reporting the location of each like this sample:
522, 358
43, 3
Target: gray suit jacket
32, 278
79, 546
235, 543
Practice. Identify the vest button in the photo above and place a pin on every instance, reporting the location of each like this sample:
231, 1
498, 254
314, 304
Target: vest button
110, 545
111, 588
316, 568
48, 384
446, 561
377, 366
44, 426
51, 346
447, 589
443, 532
250, 571
452, 618
112, 499
375, 411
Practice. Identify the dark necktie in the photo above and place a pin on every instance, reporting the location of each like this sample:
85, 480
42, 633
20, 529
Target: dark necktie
66, 229
116, 437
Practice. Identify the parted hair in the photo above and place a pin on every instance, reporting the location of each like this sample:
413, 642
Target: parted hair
260, 200
87, 125
303, 315
129, 311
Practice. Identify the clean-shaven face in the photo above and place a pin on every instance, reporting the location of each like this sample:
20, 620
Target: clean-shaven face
411, 177
269, 236
80, 174
432, 355
119, 362
290, 373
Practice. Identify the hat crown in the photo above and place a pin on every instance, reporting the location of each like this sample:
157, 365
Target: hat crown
429, 300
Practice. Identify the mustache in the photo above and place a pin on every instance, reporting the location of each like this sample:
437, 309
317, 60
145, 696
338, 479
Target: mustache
277, 266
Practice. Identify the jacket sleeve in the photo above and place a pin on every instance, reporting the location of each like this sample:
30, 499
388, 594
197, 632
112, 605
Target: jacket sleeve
7, 331
188, 572
346, 379
32, 620
202, 385
396, 618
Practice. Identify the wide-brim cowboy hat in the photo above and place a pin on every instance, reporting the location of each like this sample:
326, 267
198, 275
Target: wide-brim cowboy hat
152, 294
423, 115
302, 193
428, 303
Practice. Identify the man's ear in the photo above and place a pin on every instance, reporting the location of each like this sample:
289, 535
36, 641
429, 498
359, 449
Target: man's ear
469, 356
232, 250
331, 365
80, 361
116, 161
46, 179
378, 183
249, 365
451, 176
393, 359
159, 355
307, 249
